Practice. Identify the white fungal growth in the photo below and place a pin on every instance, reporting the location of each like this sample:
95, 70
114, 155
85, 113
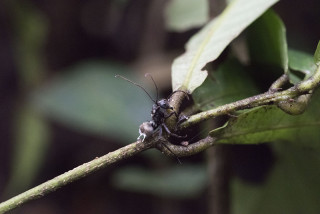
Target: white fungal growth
145, 130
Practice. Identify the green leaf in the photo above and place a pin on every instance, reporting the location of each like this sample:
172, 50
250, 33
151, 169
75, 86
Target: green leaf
89, 98
269, 123
182, 15
302, 62
183, 181
229, 83
317, 54
32, 136
295, 106
292, 186
207, 45
31, 27
267, 41
31, 133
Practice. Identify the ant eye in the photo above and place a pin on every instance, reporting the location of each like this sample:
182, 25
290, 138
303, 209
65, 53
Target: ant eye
164, 103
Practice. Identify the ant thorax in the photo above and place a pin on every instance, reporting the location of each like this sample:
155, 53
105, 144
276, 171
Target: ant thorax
157, 115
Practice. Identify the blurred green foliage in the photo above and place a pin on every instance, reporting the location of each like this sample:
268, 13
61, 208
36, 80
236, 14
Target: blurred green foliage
180, 181
89, 98
31, 131
182, 15
86, 97
292, 186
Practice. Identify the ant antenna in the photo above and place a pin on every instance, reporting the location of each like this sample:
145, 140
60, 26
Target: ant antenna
136, 84
172, 152
148, 74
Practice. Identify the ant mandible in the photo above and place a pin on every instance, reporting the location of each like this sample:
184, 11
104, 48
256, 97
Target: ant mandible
159, 113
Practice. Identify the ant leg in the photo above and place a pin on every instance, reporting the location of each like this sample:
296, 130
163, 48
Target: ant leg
164, 145
169, 115
170, 133
160, 132
181, 119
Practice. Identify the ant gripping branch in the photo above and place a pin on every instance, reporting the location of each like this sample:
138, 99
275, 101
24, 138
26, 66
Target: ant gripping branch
158, 113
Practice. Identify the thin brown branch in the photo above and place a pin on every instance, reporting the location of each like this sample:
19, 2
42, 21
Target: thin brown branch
182, 151
276, 86
267, 98
73, 175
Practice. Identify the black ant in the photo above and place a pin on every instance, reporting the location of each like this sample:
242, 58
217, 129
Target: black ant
158, 113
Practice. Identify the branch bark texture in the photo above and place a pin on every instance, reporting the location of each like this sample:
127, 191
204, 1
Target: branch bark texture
73, 175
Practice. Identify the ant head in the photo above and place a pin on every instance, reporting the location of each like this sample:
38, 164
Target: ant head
164, 103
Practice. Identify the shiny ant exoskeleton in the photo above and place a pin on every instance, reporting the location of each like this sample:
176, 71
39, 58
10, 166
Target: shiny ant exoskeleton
159, 113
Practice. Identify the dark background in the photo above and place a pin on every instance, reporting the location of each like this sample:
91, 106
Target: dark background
132, 33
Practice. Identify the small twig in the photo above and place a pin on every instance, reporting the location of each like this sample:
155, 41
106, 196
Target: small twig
276, 86
257, 100
267, 98
74, 174
191, 149
309, 84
